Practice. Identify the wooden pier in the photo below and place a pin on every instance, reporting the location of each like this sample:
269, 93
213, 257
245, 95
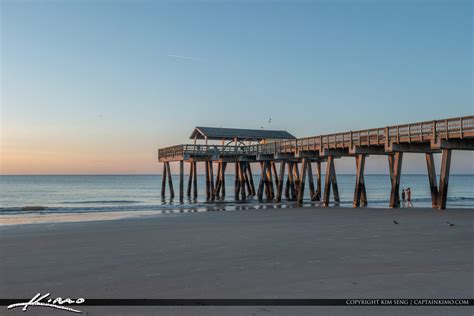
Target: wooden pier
297, 156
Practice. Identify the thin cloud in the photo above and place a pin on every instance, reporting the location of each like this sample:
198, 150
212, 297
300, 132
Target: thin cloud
183, 57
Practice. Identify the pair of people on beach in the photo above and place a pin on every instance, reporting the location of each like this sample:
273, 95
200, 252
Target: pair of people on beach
406, 197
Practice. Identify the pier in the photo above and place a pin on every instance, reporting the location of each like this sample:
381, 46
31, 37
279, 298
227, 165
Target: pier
286, 163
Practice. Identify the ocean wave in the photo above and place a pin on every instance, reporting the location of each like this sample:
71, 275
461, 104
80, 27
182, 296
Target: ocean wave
452, 199
33, 208
101, 202
228, 205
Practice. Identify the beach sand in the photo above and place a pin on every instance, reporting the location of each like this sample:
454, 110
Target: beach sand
275, 253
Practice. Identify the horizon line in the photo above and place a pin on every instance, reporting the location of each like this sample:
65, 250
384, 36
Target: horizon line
200, 174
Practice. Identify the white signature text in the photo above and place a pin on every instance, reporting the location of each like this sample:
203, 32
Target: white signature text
45, 301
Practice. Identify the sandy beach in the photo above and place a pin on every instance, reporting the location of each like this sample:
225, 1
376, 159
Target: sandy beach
276, 253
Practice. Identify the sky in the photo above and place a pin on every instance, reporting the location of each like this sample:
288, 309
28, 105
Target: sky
96, 87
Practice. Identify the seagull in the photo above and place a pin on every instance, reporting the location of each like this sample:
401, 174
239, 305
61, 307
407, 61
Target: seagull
395, 222
270, 120
451, 224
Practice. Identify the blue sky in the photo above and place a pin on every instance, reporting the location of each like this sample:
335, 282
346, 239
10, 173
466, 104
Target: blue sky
98, 86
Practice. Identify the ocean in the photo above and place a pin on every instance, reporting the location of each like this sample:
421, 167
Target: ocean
111, 193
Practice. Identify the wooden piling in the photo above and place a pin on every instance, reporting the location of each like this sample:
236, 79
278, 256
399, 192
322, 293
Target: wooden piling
261, 184
287, 187
395, 165
304, 164
271, 193
211, 181
280, 182
359, 185
237, 182
330, 181
327, 183
363, 196
218, 180
312, 193
250, 176
224, 165
181, 180
246, 178
444, 178
190, 179
242, 181
292, 195
275, 174
170, 180
335, 188
208, 181
432, 179
296, 178
163, 181
195, 187
318, 181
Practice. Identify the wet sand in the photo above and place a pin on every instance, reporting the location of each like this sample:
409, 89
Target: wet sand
275, 253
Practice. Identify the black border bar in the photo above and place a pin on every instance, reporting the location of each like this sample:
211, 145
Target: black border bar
263, 302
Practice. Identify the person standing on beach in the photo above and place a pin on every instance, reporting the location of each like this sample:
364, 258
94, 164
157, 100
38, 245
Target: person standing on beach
403, 197
408, 192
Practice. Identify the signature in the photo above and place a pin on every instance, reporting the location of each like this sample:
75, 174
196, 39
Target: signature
44, 301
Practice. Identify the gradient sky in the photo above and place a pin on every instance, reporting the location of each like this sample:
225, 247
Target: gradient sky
92, 87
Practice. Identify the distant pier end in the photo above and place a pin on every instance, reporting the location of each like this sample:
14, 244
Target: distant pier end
297, 155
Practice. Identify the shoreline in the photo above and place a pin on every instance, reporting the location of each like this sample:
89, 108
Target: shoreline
90, 216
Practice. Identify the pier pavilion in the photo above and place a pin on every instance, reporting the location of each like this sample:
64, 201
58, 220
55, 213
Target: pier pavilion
296, 156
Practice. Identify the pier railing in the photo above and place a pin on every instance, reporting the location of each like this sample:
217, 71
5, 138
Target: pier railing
453, 128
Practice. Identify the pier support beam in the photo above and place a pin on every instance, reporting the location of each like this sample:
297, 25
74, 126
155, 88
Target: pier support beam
318, 182
432, 179
190, 179
224, 166
304, 165
250, 177
275, 174
246, 178
312, 193
208, 181
269, 181
181, 180
296, 177
242, 180
163, 181
219, 190
444, 178
211, 181
292, 192
218, 179
360, 195
287, 183
237, 181
195, 187
170, 180
281, 179
395, 166
261, 183
222, 182
331, 180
